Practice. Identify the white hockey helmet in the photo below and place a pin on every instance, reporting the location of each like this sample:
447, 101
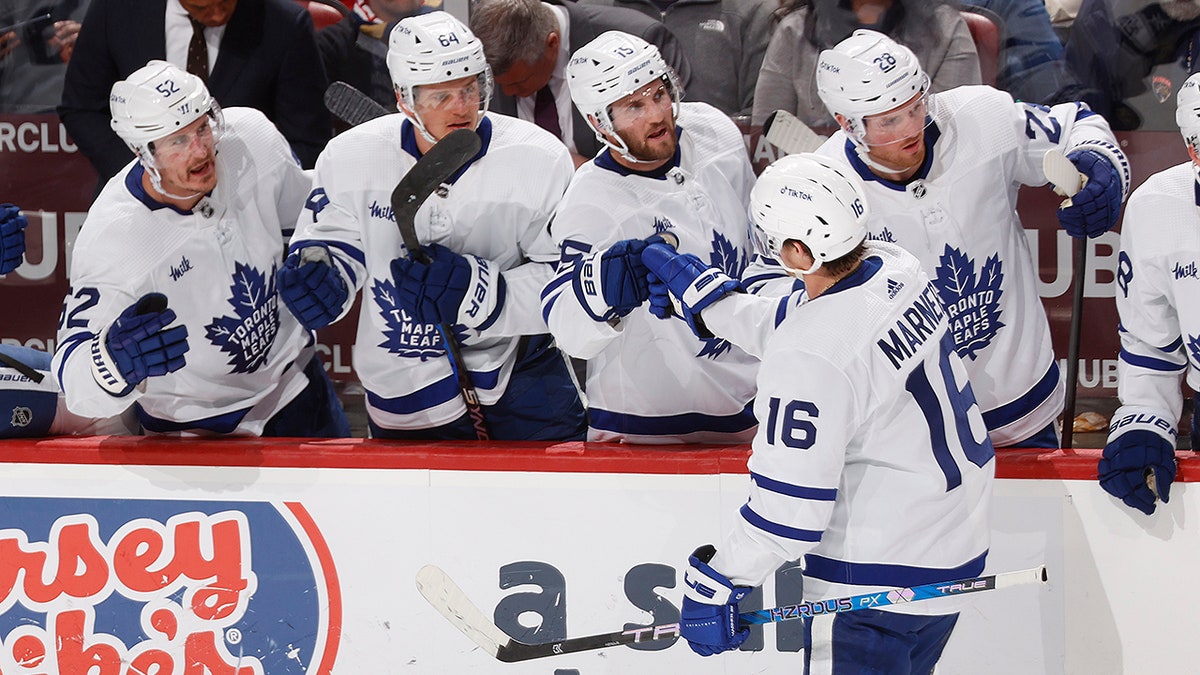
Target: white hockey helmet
868, 73
1187, 112
157, 100
809, 198
431, 49
611, 67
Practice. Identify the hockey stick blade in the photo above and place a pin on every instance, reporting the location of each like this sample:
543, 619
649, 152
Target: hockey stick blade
440, 591
434, 168
1063, 175
351, 105
786, 132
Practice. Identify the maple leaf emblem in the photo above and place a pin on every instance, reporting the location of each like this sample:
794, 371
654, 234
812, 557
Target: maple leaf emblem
972, 304
248, 335
726, 257
403, 335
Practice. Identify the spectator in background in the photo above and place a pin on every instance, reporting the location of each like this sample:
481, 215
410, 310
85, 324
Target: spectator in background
724, 41
934, 30
253, 53
1132, 56
354, 50
1032, 67
34, 54
528, 44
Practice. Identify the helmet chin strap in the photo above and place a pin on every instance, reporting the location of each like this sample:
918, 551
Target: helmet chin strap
156, 181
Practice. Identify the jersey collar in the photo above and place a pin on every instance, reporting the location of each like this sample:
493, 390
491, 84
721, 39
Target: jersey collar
932, 134
866, 270
605, 161
408, 142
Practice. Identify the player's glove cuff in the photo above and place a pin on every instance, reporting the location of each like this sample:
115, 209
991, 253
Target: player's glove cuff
486, 292
104, 368
1134, 418
587, 282
1114, 155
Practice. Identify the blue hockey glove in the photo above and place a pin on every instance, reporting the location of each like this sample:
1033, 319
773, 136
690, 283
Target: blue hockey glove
709, 617
138, 345
684, 281
1095, 208
1127, 463
451, 289
311, 288
613, 283
12, 237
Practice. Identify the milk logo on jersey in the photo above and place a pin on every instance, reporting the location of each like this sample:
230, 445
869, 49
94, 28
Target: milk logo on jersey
884, 235
403, 335
1187, 271
972, 303
247, 336
134, 587
382, 212
727, 258
661, 224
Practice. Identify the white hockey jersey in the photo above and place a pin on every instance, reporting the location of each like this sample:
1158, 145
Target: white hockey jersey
958, 216
871, 457
1157, 273
30, 408
216, 265
496, 208
651, 380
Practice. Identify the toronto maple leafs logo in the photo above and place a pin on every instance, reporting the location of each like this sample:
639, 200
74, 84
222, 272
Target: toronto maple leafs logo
726, 257
403, 335
972, 304
247, 336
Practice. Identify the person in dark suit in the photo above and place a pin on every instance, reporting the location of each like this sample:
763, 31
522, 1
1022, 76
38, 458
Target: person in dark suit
261, 54
522, 40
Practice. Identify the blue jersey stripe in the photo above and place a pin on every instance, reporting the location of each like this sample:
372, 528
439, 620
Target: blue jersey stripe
1150, 363
221, 424
435, 394
778, 530
1027, 403
878, 574
670, 425
798, 491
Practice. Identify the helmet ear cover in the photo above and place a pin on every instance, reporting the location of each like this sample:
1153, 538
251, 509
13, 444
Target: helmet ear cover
807, 198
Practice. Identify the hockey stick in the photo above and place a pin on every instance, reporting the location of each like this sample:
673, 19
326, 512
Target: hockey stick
786, 132
435, 167
1067, 181
449, 600
351, 105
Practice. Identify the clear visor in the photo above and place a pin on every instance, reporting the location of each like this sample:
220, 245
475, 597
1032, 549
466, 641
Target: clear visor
471, 94
653, 101
899, 125
763, 243
183, 142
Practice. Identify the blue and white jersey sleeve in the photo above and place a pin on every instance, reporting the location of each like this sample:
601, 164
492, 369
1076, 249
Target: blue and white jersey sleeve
1156, 286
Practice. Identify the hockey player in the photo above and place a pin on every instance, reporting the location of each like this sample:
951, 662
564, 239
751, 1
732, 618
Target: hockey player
668, 167
1160, 323
871, 459
942, 172
12, 237
486, 235
203, 232
32, 406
